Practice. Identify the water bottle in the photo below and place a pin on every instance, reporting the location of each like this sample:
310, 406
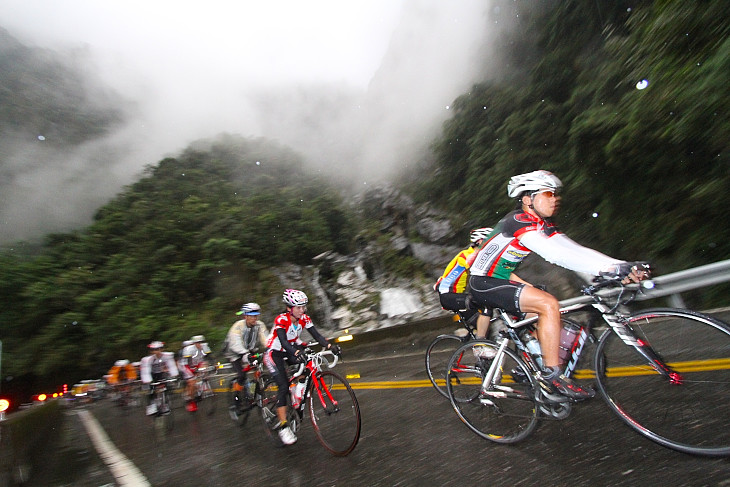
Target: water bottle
297, 390
568, 336
533, 346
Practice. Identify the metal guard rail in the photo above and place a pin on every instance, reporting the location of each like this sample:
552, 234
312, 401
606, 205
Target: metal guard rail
672, 284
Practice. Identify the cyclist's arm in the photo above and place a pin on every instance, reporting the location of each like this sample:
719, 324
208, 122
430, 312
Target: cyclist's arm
317, 336
170, 363
235, 339
281, 335
560, 250
144, 371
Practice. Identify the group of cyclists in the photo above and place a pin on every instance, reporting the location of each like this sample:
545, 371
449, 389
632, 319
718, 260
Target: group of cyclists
247, 341
479, 278
482, 277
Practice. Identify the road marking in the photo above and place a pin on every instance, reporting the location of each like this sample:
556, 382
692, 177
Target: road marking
124, 471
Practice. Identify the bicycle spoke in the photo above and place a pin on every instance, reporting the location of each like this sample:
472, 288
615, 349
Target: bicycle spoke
687, 409
438, 354
335, 413
504, 411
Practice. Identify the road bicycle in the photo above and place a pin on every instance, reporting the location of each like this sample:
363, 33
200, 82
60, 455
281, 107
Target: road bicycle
439, 352
328, 399
204, 394
242, 401
665, 372
162, 399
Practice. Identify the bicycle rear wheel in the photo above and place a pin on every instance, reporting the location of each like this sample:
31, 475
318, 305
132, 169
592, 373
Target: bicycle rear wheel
687, 411
438, 354
334, 412
506, 410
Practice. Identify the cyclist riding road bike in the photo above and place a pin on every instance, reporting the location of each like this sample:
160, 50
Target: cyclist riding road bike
156, 366
530, 228
285, 345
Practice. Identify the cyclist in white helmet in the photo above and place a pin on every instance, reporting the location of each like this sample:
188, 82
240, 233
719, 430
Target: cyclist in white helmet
451, 286
245, 340
156, 366
284, 344
530, 228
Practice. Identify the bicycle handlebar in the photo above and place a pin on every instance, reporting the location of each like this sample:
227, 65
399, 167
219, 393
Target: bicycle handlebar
318, 358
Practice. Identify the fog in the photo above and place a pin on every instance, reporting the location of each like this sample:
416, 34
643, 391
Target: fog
358, 87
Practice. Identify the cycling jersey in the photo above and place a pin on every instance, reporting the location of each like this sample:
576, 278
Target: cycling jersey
242, 339
454, 278
520, 233
292, 330
156, 368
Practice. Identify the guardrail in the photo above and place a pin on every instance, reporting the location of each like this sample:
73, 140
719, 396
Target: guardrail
673, 284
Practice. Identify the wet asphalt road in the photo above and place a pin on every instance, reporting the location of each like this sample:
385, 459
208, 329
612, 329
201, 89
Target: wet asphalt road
410, 437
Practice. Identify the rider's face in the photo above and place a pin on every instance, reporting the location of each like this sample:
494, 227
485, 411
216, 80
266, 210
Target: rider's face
298, 311
546, 203
251, 320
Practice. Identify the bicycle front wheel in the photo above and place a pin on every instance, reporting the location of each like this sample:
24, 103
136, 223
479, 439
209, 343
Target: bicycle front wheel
208, 397
438, 354
334, 412
502, 408
686, 410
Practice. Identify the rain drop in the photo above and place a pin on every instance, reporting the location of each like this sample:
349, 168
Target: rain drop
642, 84
595, 215
40, 137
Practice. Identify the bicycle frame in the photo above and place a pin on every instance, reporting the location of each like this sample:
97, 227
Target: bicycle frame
616, 321
312, 369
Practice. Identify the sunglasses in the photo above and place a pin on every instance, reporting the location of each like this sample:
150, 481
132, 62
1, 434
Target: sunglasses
547, 192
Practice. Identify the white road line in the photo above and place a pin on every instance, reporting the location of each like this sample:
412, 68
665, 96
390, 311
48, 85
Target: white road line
124, 471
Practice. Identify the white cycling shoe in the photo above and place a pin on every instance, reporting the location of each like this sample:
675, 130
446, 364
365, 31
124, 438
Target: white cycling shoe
287, 436
151, 409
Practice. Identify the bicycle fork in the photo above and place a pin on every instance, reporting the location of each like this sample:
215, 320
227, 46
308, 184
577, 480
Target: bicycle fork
627, 335
319, 386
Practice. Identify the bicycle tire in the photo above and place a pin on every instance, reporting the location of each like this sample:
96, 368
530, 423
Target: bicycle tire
334, 413
438, 353
688, 413
208, 397
507, 412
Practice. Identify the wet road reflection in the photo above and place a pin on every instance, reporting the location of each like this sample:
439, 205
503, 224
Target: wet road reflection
410, 436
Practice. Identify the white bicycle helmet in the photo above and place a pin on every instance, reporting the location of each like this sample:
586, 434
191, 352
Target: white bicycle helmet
295, 297
250, 309
121, 363
198, 339
531, 182
156, 345
479, 234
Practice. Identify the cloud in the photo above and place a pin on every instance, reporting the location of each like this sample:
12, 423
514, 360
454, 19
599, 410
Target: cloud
358, 86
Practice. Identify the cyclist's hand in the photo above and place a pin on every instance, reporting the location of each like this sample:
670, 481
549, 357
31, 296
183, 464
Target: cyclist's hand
301, 357
334, 348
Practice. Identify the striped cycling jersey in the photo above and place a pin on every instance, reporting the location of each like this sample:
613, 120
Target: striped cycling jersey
520, 233
454, 278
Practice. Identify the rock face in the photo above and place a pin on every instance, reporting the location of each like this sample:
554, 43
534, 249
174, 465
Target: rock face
389, 280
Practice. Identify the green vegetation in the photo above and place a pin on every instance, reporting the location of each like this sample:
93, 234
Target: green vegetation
170, 257
176, 251
652, 164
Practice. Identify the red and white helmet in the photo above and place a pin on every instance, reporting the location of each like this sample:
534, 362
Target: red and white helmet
295, 297
156, 345
531, 182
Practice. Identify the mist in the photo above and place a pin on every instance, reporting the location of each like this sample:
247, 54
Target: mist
359, 88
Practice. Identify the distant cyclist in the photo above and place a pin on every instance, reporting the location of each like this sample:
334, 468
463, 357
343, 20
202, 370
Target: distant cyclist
451, 286
530, 228
193, 357
158, 365
285, 345
245, 337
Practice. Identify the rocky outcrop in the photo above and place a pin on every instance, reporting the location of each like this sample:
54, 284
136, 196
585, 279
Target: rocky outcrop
372, 287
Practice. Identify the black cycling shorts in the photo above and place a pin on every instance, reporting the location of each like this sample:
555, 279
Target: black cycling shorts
490, 292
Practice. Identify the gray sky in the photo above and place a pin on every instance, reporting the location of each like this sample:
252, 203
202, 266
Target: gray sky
377, 75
